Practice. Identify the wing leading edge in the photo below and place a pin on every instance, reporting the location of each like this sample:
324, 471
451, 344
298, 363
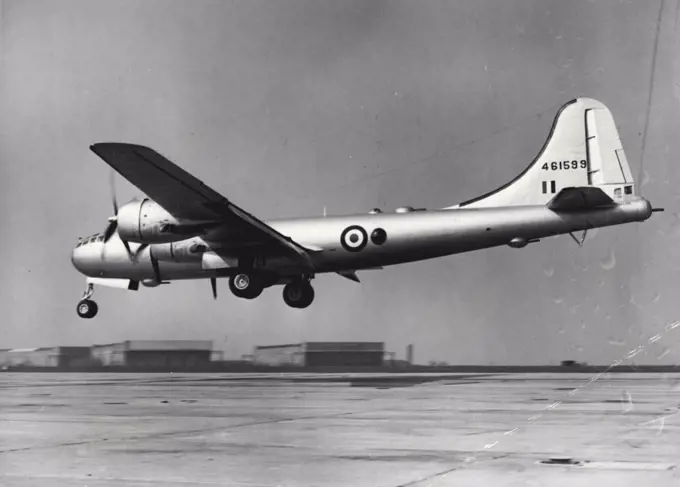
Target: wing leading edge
185, 197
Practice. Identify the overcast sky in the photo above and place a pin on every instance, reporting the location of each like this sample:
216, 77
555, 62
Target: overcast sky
288, 106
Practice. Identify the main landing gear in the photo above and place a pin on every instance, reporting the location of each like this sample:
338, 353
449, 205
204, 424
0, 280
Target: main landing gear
297, 294
246, 286
86, 307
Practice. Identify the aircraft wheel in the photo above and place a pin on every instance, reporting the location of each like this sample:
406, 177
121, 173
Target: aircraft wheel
87, 308
245, 286
298, 294
253, 292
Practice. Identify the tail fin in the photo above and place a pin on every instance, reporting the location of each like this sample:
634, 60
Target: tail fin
583, 149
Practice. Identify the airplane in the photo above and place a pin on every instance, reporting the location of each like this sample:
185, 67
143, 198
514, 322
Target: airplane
183, 229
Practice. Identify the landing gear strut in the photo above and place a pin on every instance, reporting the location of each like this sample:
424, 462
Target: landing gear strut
86, 307
298, 294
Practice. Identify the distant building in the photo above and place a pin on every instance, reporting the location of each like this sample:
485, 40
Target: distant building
409, 353
44, 357
321, 354
181, 354
572, 363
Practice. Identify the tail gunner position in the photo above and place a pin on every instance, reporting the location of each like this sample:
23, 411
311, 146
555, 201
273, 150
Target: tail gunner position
185, 230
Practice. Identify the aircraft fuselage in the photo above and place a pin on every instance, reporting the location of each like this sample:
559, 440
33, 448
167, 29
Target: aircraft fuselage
409, 237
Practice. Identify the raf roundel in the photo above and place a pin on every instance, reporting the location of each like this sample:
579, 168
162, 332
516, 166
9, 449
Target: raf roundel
354, 238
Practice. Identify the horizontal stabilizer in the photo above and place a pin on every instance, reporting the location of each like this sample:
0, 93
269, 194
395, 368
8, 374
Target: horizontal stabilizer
581, 198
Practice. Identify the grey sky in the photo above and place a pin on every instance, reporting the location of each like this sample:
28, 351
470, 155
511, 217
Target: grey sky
288, 106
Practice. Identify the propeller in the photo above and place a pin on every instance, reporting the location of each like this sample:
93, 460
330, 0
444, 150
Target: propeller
155, 267
113, 222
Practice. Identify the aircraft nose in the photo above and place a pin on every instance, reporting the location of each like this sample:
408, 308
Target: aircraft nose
76, 258
83, 259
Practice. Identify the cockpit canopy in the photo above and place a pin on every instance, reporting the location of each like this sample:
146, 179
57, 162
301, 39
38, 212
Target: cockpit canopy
97, 237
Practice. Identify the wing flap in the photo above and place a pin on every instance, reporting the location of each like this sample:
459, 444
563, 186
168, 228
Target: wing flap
580, 198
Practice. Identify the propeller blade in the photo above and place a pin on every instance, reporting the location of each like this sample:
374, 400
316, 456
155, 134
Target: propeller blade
112, 188
139, 251
213, 284
156, 269
110, 230
127, 247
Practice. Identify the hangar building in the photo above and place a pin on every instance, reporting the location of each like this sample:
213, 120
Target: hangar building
45, 357
184, 354
321, 354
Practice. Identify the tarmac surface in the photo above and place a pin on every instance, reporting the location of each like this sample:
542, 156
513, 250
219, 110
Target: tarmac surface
339, 429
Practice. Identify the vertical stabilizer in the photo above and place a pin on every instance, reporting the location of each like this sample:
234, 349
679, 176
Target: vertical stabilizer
582, 149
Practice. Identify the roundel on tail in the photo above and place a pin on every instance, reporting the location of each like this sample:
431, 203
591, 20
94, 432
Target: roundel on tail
354, 238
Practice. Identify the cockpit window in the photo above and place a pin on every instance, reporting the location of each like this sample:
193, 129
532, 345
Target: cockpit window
97, 237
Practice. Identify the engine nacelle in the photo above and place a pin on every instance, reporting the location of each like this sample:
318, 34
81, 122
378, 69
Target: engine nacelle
147, 222
184, 251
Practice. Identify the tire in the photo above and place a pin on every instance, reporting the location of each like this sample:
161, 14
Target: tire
245, 286
87, 309
298, 294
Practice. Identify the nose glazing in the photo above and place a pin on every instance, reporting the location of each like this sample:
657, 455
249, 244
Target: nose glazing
77, 258
84, 256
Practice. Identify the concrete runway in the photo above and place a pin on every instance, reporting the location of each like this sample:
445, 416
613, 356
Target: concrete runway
338, 430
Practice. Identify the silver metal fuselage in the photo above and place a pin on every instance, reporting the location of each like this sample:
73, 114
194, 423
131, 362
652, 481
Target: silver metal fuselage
411, 237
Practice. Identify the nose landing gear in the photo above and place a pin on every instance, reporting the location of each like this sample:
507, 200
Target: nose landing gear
86, 307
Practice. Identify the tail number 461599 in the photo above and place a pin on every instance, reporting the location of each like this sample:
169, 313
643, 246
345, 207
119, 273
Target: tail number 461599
564, 165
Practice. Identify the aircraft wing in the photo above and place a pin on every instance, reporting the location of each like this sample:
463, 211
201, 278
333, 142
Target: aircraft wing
580, 198
185, 197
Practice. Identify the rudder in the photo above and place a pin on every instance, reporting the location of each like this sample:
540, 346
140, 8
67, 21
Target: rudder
608, 166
